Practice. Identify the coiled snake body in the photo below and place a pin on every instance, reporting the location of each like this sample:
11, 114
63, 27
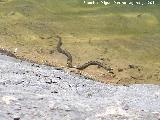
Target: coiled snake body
80, 67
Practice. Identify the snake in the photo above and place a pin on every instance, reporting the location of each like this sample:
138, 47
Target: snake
65, 52
79, 67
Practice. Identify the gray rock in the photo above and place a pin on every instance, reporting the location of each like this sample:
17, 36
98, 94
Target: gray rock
47, 93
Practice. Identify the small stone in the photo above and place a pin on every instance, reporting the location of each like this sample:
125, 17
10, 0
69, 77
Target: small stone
131, 66
59, 78
126, 107
89, 95
54, 92
54, 82
36, 74
17, 108
41, 98
16, 118
102, 59
51, 51
49, 81
120, 70
45, 76
37, 66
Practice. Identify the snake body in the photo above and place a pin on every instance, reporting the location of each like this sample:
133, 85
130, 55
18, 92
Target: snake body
65, 52
85, 65
80, 67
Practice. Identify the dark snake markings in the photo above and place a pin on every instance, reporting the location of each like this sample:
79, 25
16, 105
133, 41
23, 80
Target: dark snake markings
80, 67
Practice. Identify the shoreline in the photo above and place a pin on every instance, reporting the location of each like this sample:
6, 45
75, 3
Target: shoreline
30, 91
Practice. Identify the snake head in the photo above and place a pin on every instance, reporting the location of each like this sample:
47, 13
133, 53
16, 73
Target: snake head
69, 64
59, 40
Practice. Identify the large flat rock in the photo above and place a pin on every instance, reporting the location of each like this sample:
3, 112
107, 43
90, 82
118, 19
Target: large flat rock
38, 92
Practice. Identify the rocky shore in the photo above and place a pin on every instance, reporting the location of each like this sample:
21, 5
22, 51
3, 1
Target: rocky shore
30, 91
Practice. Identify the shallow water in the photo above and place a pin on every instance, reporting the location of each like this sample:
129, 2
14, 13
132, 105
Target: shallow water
117, 36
